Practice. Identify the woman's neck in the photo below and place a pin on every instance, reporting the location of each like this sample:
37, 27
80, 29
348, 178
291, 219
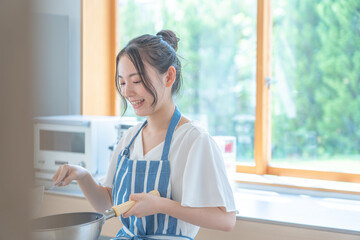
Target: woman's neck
161, 118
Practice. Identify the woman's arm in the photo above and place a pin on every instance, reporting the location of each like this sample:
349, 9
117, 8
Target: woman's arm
207, 217
98, 196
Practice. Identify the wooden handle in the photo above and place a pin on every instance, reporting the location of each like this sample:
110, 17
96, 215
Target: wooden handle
124, 207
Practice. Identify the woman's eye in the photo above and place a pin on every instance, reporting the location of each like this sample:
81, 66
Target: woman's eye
122, 84
137, 81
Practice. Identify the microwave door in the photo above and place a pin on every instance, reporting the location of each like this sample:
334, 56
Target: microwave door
61, 141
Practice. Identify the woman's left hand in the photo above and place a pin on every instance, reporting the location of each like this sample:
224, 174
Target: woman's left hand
145, 204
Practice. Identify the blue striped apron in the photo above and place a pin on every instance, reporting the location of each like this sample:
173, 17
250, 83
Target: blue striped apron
137, 176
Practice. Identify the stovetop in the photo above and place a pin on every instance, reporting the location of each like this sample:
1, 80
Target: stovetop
104, 238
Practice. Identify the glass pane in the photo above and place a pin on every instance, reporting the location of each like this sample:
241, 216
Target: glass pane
316, 94
62, 141
218, 54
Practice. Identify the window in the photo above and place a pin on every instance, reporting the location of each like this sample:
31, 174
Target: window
316, 97
281, 77
218, 55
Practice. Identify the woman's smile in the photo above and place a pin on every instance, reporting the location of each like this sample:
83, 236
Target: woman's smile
137, 103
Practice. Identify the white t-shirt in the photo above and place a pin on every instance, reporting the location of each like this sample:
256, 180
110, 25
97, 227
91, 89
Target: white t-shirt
198, 177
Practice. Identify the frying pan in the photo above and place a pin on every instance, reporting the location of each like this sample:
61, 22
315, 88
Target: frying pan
79, 225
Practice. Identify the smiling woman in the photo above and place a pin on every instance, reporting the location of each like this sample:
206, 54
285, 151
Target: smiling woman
148, 74
160, 52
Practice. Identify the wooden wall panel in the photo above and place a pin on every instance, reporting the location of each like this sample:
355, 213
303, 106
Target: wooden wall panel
98, 57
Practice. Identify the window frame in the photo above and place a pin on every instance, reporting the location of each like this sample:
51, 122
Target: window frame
262, 154
101, 99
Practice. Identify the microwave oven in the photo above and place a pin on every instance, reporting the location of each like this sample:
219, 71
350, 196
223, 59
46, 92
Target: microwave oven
75, 139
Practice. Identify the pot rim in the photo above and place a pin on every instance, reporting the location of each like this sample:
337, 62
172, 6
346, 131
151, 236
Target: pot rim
102, 219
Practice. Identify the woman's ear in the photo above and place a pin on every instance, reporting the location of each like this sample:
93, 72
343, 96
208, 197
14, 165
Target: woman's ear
170, 76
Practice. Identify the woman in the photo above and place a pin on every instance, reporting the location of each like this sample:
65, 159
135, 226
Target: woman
167, 153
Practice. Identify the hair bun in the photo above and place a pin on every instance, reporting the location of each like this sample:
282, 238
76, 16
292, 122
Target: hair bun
169, 37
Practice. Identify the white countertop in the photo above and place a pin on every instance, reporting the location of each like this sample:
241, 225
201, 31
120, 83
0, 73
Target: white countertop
299, 210
292, 209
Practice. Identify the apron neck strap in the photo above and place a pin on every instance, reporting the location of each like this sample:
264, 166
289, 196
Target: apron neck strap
126, 151
170, 131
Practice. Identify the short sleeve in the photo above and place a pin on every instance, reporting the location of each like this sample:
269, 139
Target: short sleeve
205, 183
108, 179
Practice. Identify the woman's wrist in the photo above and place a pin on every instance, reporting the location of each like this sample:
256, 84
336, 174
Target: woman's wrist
85, 177
165, 205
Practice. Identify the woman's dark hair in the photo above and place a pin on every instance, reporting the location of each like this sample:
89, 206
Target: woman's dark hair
157, 50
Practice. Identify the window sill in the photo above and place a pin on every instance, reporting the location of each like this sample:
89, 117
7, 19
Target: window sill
296, 185
320, 205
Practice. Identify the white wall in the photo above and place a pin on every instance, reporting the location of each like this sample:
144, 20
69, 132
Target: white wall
57, 62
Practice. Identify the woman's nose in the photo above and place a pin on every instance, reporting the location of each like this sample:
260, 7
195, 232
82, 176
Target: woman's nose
127, 90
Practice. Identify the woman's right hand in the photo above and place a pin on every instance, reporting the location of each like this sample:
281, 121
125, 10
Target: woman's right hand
67, 172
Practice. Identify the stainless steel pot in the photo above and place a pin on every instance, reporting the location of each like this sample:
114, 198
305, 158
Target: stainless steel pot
82, 225
74, 226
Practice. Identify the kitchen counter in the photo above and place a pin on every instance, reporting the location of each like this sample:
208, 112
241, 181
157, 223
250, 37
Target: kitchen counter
297, 209
262, 215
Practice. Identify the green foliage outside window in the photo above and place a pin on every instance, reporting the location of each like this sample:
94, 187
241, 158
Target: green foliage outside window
317, 52
217, 49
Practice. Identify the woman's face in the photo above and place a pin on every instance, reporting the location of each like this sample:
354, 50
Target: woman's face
134, 91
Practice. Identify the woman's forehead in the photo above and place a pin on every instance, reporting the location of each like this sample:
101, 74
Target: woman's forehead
126, 67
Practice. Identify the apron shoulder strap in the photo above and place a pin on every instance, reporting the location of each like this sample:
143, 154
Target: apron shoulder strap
170, 131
